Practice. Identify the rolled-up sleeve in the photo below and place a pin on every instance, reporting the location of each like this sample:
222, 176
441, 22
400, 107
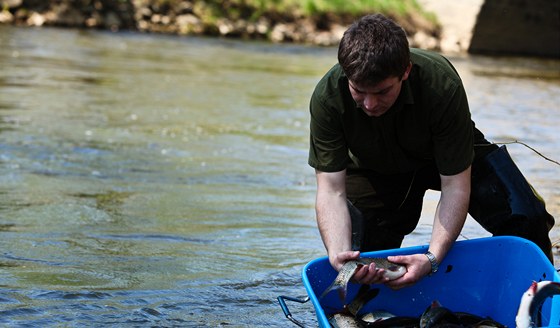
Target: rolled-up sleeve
328, 150
453, 133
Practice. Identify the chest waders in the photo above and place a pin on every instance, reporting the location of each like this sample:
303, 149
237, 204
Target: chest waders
504, 203
357, 220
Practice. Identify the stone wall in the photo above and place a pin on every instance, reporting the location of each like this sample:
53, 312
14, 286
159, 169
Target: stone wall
518, 27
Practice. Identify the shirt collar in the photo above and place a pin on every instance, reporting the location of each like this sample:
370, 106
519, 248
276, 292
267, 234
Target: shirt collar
405, 97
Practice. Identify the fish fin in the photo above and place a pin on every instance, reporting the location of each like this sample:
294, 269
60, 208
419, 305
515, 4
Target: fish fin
435, 304
328, 290
336, 285
342, 293
365, 294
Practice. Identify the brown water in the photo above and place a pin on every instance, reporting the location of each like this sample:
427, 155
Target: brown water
162, 181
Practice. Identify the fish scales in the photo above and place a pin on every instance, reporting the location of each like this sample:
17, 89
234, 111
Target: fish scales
340, 320
340, 283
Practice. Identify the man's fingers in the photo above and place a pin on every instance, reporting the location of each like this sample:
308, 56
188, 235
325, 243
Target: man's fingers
346, 256
369, 274
360, 274
339, 259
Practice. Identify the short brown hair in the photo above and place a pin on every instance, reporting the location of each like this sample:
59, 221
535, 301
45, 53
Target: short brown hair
373, 49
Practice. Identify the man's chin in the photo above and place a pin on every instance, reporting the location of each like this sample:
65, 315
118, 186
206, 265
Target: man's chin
374, 112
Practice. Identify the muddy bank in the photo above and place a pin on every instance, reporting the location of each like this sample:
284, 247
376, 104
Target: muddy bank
192, 17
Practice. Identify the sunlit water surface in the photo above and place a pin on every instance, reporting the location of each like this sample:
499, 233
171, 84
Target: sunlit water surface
162, 181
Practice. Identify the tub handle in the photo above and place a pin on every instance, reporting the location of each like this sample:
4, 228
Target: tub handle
282, 301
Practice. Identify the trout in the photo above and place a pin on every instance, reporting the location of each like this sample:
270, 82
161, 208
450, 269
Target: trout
342, 320
365, 294
340, 283
347, 318
531, 301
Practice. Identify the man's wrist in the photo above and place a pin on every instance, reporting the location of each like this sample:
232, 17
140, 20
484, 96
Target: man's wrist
433, 262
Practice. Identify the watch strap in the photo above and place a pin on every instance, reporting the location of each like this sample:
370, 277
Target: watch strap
433, 261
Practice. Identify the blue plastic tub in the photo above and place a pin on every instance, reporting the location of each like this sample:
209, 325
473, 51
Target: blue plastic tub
485, 276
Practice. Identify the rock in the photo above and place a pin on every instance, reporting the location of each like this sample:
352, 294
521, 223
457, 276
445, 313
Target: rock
325, 39
66, 15
188, 24
225, 26
10, 3
143, 13
6, 17
262, 25
279, 33
422, 40
36, 19
142, 25
112, 21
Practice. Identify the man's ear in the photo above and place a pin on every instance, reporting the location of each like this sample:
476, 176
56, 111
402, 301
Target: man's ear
407, 72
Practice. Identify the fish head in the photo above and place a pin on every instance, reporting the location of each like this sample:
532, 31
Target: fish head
437, 314
532, 300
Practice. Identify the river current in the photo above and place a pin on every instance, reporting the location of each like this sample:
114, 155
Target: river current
148, 180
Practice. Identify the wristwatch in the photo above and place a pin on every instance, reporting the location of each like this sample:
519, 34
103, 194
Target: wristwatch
433, 261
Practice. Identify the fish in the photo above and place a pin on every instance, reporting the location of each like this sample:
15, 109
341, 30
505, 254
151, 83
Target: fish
527, 314
348, 317
365, 294
381, 319
436, 315
344, 320
378, 315
340, 283
393, 322
472, 320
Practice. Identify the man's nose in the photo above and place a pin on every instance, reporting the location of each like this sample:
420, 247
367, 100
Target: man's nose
370, 101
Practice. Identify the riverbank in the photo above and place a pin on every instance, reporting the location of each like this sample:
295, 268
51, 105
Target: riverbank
280, 21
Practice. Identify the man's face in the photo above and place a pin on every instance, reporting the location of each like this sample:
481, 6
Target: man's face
375, 100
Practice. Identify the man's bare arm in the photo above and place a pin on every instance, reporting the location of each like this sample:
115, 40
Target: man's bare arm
451, 212
333, 217
449, 219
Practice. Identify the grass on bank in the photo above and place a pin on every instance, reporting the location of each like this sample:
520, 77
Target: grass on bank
313, 7
253, 9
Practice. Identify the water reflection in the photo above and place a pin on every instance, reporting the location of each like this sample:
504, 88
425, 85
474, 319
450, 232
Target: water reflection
163, 180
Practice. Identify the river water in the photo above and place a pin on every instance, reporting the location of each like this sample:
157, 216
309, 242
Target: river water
162, 181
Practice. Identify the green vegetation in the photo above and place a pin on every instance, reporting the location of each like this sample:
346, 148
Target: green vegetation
306, 21
287, 8
300, 20
313, 7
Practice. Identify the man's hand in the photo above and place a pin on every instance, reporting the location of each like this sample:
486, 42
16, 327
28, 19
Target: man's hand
417, 266
365, 274
338, 260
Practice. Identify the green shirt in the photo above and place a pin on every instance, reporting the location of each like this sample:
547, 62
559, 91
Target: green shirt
429, 122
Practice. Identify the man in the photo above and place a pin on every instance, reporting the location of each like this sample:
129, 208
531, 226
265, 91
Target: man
388, 123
